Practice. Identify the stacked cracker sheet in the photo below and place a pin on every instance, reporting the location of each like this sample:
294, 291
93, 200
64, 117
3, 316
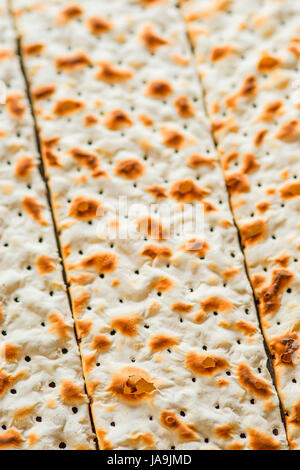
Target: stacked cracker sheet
172, 352
42, 400
247, 55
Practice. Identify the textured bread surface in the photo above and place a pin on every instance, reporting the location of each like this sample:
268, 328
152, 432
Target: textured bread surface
247, 55
42, 400
172, 351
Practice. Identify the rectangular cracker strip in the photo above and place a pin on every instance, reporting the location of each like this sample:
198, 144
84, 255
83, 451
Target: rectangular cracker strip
43, 405
172, 351
248, 59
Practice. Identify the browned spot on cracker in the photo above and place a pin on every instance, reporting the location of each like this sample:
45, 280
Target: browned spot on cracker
33, 208
84, 327
43, 92
84, 208
58, 326
252, 383
151, 40
72, 62
159, 89
117, 120
111, 74
162, 284
260, 441
33, 49
130, 169
224, 431
283, 260
153, 228
290, 191
132, 384
170, 421
90, 120
11, 352
216, 304
196, 161
103, 262
230, 157
173, 138
69, 13
196, 246
159, 192
184, 107
81, 302
181, 307
253, 233
271, 110
263, 206
48, 154
14, 105
155, 251
98, 25
144, 440
45, 264
230, 273
23, 167
295, 418
246, 328
10, 439
67, 106
7, 380
250, 164
187, 191
248, 90
220, 52
268, 64
270, 298
71, 393
150, 3
127, 326
146, 120
285, 348
101, 343
289, 131
88, 160
237, 183
260, 137
161, 341
204, 364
